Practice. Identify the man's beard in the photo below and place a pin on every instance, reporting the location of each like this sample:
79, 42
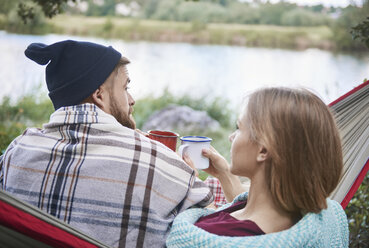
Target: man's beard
122, 118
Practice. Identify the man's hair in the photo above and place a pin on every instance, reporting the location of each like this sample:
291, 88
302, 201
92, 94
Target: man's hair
121, 63
302, 140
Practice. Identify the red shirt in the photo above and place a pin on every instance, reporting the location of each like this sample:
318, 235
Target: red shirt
222, 223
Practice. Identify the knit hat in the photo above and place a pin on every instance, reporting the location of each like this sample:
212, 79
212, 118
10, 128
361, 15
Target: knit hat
74, 69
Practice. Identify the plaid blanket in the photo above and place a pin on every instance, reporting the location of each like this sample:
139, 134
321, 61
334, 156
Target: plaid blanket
216, 188
105, 179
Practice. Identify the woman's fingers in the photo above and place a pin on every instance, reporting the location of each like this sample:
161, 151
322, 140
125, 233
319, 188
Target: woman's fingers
215, 158
218, 164
190, 163
212, 155
141, 132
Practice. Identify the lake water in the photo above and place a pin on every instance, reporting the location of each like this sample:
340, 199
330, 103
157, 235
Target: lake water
200, 70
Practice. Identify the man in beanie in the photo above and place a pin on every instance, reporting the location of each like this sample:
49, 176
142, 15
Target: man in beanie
89, 166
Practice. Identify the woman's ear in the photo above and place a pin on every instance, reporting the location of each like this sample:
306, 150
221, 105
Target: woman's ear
262, 154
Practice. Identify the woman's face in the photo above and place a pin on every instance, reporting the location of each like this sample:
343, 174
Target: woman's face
244, 151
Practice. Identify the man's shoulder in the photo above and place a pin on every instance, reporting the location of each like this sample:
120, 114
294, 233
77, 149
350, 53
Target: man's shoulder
27, 131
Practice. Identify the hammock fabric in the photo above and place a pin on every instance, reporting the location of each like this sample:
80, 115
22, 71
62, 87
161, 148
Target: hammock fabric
355, 185
31, 227
38, 229
327, 229
359, 179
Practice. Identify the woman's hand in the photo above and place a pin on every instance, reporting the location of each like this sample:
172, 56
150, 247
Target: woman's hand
189, 162
218, 166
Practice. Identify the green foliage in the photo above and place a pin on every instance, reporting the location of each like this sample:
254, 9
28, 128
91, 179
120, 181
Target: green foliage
149, 9
202, 11
302, 17
166, 10
36, 25
197, 26
7, 5
27, 9
316, 8
8, 133
107, 28
350, 17
357, 212
232, 11
272, 13
361, 32
242, 13
27, 111
106, 9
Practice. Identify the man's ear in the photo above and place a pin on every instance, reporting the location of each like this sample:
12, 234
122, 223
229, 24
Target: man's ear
262, 154
100, 98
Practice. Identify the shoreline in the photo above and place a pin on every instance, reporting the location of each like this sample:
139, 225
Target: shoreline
268, 36
129, 29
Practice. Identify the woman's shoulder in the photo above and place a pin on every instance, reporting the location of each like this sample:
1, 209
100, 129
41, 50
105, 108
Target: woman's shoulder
329, 228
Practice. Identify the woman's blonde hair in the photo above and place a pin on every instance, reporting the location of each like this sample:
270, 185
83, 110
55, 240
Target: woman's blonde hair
303, 143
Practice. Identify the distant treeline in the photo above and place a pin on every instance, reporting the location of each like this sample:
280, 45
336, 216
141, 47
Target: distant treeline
229, 11
202, 12
233, 11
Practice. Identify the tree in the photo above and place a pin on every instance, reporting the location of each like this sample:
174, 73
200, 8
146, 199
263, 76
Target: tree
303, 17
361, 32
271, 14
26, 9
6, 6
351, 16
107, 8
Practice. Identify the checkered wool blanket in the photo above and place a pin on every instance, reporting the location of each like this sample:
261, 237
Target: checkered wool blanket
216, 188
327, 229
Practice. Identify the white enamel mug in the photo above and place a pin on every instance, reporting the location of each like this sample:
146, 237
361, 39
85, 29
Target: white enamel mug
192, 146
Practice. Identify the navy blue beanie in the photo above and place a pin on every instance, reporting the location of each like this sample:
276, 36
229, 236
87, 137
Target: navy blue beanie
75, 69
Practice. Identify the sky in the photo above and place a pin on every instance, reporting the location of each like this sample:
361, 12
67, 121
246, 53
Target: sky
335, 3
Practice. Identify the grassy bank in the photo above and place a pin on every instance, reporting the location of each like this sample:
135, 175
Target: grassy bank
194, 32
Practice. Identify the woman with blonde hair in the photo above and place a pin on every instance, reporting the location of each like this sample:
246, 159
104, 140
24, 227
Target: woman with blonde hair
288, 145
